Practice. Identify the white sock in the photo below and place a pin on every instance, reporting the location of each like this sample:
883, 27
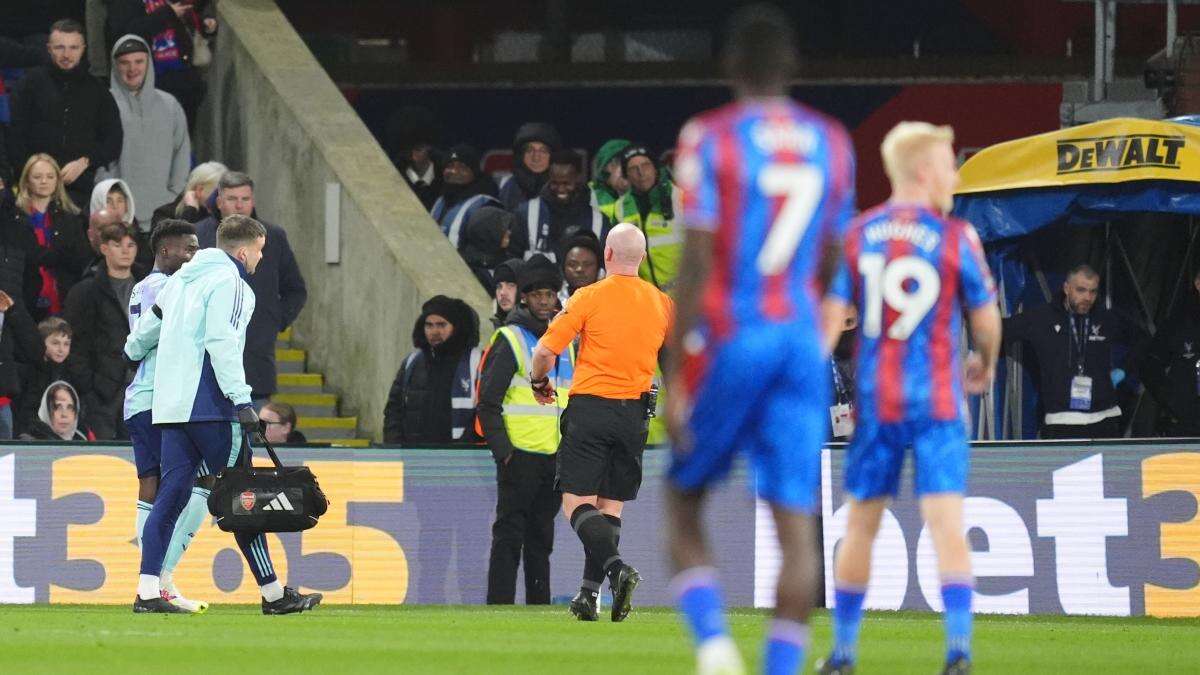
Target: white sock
143, 512
272, 591
147, 586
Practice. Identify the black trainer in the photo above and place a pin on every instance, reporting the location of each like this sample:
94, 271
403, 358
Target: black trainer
959, 666
155, 606
623, 582
291, 602
583, 606
831, 667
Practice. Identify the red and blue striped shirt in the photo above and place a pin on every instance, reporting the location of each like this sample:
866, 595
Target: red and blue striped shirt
910, 273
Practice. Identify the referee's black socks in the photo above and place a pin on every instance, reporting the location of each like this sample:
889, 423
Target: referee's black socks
593, 570
598, 537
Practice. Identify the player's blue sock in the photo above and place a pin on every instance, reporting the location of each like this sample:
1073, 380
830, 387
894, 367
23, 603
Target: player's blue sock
190, 520
847, 618
698, 594
786, 644
143, 512
956, 596
254, 550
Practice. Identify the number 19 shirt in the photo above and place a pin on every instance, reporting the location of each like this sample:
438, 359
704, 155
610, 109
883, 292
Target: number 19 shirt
910, 272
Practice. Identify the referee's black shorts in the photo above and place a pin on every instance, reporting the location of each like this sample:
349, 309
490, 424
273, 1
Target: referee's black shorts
601, 448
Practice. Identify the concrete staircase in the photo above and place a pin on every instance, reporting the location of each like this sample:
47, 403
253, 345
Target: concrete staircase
305, 391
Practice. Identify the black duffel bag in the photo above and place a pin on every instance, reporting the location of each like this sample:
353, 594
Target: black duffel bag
247, 498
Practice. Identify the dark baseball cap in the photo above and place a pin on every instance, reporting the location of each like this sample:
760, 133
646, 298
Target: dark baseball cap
130, 45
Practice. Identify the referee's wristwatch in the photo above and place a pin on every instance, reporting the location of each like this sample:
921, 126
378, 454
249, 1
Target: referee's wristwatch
539, 385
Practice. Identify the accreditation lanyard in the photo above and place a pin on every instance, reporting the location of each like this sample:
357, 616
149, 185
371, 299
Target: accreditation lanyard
1077, 348
838, 385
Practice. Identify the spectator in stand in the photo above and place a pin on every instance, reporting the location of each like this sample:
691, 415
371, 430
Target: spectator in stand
51, 233
113, 196
533, 145
62, 111
168, 28
608, 181
1171, 369
279, 290
1072, 339
280, 422
198, 199
412, 135
465, 189
581, 264
98, 310
59, 416
432, 399
53, 364
420, 171
13, 54
18, 342
651, 205
504, 292
156, 153
484, 241
563, 207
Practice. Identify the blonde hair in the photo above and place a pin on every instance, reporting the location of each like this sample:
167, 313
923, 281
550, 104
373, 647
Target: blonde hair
906, 142
206, 174
24, 199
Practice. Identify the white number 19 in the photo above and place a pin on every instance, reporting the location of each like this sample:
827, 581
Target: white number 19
885, 284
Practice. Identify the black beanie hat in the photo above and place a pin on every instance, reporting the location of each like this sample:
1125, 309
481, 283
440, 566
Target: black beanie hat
538, 272
466, 154
635, 151
507, 271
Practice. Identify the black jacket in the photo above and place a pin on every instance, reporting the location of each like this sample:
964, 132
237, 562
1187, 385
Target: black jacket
498, 369
67, 115
100, 323
191, 214
1170, 370
14, 54
279, 295
524, 184
419, 403
19, 343
558, 222
66, 257
1045, 329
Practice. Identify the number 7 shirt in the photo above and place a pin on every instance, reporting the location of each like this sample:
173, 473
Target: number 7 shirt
774, 182
911, 272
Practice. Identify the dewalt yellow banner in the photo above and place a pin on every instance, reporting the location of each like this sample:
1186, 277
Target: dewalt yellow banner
1110, 151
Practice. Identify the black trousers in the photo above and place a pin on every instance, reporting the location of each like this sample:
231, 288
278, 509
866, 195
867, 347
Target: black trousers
1109, 428
526, 505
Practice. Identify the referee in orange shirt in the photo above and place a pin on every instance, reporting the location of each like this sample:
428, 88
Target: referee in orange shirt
622, 322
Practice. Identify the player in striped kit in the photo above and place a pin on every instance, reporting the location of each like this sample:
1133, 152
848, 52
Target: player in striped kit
768, 189
911, 271
174, 243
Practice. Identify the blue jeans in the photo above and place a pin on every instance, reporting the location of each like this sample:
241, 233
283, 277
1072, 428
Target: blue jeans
6, 423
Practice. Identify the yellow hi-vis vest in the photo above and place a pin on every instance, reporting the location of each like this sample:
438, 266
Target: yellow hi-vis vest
533, 427
664, 238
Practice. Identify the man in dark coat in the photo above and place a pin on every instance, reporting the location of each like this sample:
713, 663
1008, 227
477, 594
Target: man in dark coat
98, 312
63, 111
562, 209
533, 145
432, 399
482, 248
279, 290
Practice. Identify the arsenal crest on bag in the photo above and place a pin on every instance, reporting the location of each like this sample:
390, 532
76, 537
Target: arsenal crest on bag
282, 498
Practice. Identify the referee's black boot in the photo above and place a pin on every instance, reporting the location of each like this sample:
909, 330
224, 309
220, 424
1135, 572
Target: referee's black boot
623, 581
291, 602
583, 606
156, 606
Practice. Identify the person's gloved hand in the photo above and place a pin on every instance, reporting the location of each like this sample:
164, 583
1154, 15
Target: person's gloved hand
249, 419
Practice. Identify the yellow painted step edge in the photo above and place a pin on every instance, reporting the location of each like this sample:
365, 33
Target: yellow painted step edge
327, 423
285, 335
345, 442
289, 354
300, 379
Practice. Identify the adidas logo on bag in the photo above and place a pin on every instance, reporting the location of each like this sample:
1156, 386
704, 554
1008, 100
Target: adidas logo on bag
279, 503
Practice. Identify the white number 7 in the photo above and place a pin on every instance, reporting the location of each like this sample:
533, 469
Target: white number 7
802, 186
886, 284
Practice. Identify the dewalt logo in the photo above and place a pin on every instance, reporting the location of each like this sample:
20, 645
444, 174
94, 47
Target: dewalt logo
1119, 153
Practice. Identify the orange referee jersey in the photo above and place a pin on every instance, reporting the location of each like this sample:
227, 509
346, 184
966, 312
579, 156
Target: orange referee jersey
623, 322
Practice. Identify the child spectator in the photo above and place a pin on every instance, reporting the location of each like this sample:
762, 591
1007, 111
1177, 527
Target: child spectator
51, 366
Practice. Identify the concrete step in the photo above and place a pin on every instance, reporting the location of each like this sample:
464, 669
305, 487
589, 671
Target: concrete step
324, 428
290, 360
300, 383
310, 405
284, 339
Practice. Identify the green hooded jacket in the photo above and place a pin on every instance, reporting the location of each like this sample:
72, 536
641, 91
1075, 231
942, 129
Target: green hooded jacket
603, 197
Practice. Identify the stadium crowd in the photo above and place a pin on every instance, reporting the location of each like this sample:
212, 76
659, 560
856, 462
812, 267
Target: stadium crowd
87, 172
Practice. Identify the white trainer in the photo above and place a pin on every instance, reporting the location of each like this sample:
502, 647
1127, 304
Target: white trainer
719, 656
169, 592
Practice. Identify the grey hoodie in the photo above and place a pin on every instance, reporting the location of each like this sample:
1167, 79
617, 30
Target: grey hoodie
156, 153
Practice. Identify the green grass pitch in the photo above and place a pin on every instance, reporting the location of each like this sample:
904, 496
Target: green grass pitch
425, 639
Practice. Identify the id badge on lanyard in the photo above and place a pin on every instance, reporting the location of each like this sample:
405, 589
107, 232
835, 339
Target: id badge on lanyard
1081, 385
842, 416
